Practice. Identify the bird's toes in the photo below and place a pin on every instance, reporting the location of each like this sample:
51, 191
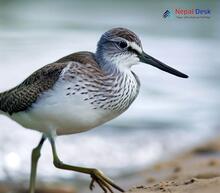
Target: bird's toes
91, 186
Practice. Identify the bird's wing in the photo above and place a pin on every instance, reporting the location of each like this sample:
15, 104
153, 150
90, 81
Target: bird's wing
21, 97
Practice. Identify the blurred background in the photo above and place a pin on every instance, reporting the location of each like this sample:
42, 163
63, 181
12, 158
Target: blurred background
170, 114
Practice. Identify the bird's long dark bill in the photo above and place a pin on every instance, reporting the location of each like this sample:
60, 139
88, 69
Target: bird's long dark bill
156, 63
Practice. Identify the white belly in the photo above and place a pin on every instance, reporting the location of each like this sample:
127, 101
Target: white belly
67, 109
65, 114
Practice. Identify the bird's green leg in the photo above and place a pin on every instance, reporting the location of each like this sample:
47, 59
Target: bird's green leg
97, 176
34, 160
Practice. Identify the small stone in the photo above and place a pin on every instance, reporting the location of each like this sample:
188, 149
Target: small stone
177, 169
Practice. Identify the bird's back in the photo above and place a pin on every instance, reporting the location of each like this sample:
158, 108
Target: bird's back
21, 97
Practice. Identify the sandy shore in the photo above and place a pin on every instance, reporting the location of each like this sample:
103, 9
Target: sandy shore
211, 185
197, 171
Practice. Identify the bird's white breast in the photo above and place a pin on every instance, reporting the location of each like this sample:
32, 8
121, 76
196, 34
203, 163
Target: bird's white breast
58, 111
72, 107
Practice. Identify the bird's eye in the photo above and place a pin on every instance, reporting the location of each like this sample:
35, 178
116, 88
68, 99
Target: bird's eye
122, 44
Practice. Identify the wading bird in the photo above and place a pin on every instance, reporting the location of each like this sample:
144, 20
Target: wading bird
79, 92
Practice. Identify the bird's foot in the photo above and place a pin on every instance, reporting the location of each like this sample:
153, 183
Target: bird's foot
104, 182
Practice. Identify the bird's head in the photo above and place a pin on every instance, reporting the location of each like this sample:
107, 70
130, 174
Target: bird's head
122, 48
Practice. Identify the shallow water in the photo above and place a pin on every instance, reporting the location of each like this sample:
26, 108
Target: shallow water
170, 114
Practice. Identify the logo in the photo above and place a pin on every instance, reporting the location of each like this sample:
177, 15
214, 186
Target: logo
180, 13
166, 14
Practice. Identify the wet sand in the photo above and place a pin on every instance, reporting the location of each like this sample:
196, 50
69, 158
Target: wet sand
197, 171
211, 185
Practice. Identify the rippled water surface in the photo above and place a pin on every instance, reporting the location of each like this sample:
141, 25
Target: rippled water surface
170, 114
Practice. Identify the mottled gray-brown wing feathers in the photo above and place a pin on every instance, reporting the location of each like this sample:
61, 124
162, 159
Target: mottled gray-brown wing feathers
21, 97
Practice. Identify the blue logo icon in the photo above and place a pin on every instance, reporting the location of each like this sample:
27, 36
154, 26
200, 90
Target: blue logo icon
166, 14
